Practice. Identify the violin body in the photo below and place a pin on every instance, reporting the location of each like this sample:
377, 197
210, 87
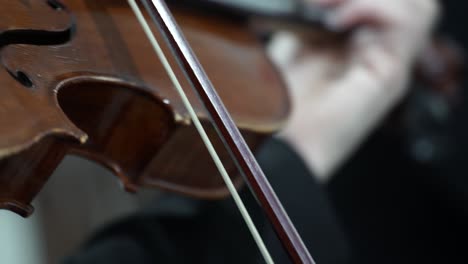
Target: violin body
81, 78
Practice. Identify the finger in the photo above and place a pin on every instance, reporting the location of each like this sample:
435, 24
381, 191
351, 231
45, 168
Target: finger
428, 11
374, 13
283, 49
425, 6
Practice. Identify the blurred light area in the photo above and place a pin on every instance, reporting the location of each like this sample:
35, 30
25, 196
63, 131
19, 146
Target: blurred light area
21, 239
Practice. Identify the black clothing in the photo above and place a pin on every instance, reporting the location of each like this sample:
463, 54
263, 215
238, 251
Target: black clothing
183, 230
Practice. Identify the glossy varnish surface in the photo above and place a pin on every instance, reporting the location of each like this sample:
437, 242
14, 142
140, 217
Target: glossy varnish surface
104, 95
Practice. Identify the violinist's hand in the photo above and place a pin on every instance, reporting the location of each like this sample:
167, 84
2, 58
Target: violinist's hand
337, 100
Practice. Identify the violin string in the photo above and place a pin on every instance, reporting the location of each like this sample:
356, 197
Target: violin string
209, 145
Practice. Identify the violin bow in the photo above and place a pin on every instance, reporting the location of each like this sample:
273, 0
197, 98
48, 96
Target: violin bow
226, 129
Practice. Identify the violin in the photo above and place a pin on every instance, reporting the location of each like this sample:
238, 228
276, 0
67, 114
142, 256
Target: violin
100, 96
80, 77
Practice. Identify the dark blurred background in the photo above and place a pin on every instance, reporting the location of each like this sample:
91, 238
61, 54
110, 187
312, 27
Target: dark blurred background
395, 207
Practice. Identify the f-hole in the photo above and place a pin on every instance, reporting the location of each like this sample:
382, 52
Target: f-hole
22, 78
56, 5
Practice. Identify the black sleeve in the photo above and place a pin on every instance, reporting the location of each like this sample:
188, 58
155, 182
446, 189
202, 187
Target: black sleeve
307, 204
183, 230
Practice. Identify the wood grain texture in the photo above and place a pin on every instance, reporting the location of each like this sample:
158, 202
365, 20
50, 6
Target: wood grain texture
106, 89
